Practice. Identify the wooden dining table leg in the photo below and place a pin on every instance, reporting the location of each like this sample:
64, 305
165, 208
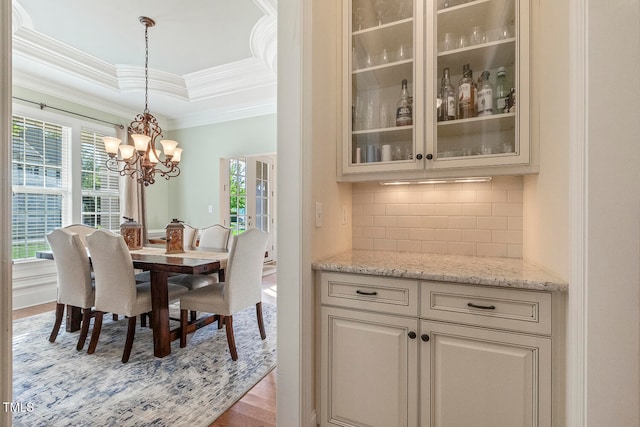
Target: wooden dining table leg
160, 314
74, 318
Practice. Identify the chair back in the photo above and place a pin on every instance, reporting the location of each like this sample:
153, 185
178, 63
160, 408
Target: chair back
114, 275
244, 270
189, 236
74, 270
82, 230
215, 236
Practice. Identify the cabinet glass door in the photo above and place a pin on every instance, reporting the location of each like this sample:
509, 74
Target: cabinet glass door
381, 53
478, 45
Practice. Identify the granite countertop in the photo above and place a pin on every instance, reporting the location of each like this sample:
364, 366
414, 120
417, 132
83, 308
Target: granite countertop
505, 272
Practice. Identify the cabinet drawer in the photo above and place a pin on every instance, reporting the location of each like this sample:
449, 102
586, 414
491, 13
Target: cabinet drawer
381, 294
511, 309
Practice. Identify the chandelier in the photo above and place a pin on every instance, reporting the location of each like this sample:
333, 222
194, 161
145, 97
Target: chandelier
141, 160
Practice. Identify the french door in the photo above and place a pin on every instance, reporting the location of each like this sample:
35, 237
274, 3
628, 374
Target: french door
249, 197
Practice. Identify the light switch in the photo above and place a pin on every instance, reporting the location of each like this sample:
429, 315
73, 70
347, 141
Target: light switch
319, 214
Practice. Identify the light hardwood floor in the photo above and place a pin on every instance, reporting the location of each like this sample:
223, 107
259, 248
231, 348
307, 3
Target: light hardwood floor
257, 408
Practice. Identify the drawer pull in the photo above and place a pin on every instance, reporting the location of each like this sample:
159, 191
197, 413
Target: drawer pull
366, 293
483, 307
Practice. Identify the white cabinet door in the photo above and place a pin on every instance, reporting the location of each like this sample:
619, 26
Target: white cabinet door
368, 369
483, 378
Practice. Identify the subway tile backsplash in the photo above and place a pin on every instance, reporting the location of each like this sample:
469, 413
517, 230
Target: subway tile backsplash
483, 219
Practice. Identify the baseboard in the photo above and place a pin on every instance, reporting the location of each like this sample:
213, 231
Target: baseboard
33, 283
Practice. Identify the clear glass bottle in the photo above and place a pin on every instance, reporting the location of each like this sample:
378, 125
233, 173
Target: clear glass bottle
501, 92
447, 109
485, 95
404, 113
466, 94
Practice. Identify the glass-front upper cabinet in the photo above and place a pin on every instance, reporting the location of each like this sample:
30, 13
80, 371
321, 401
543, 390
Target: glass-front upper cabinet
480, 82
383, 85
435, 88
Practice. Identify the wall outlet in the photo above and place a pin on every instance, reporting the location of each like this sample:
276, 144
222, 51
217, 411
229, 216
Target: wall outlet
210, 209
319, 214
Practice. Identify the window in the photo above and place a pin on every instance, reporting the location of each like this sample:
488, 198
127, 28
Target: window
44, 174
39, 165
100, 199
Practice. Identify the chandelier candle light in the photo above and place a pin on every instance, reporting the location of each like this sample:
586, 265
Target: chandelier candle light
141, 160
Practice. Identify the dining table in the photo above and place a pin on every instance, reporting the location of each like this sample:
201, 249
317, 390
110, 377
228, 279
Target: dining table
160, 266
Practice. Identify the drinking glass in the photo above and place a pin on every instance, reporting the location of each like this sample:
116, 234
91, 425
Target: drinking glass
477, 36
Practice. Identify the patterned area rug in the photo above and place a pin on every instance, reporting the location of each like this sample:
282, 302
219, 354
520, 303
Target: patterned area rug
59, 386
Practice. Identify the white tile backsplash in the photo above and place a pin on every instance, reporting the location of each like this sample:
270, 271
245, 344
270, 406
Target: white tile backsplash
483, 219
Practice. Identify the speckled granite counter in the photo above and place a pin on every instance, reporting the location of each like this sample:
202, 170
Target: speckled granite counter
505, 272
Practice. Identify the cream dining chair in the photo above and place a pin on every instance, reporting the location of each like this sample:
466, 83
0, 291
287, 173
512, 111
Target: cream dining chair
242, 289
75, 286
82, 230
215, 236
115, 284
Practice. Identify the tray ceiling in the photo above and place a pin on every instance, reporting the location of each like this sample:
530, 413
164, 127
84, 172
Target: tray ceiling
212, 61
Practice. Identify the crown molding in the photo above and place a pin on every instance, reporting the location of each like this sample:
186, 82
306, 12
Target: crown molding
239, 80
224, 114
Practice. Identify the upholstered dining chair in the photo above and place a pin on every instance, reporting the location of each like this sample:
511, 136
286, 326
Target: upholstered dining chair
215, 236
189, 236
115, 285
82, 230
242, 289
75, 286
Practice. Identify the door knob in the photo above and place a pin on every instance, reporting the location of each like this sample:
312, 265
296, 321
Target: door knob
424, 337
412, 335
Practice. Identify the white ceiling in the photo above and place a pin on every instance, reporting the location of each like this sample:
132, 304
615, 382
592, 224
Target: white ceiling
209, 60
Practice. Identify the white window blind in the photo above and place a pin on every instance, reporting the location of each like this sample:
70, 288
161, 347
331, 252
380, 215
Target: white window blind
100, 186
40, 153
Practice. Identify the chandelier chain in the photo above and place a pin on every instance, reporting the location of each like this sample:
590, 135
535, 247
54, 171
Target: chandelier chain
146, 68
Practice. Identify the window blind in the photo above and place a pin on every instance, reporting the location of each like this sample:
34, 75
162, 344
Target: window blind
100, 186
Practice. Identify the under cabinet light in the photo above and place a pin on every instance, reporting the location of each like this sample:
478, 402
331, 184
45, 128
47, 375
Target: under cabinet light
439, 181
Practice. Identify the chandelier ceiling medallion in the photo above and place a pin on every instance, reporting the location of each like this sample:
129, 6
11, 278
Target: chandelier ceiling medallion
141, 160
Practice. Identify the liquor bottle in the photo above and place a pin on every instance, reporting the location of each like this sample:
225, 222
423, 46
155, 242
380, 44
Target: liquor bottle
404, 113
512, 100
466, 94
448, 97
485, 96
501, 91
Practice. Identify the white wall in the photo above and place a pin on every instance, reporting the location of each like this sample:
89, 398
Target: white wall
611, 238
546, 195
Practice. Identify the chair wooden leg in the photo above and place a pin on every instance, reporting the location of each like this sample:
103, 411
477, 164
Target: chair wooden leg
183, 328
220, 321
95, 333
57, 323
131, 332
143, 320
114, 317
228, 321
194, 315
263, 334
84, 330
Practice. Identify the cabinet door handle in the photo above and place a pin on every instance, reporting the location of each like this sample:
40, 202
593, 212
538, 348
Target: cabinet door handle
483, 307
424, 337
359, 292
412, 335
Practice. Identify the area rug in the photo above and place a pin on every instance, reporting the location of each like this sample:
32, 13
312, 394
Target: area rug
59, 386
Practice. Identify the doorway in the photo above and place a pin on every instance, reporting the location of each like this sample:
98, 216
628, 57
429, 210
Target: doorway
248, 196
